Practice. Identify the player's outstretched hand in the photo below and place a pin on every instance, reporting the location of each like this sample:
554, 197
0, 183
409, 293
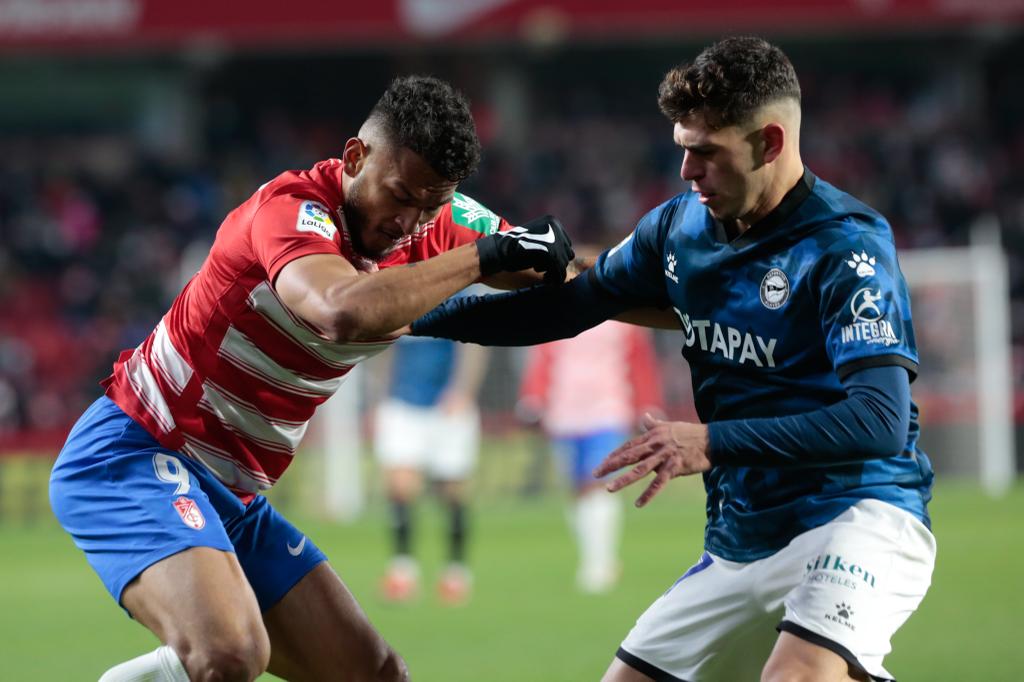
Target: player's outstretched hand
669, 449
541, 244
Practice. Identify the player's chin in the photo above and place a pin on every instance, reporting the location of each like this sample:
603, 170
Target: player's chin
381, 245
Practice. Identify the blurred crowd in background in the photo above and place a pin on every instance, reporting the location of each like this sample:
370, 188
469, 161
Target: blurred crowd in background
101, 224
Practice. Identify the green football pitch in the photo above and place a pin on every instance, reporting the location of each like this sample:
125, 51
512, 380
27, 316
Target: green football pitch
525, 621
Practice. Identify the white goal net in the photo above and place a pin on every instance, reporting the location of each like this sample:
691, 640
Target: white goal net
961, 308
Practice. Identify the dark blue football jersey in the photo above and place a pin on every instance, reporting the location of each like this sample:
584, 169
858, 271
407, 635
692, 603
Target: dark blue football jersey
421, 369
771, 321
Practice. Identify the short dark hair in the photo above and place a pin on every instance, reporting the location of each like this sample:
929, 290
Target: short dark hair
430, 117
728, 82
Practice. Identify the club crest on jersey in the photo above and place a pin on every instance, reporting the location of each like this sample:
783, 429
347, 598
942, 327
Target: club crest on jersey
189, 512
868, 325
314, 217
670, 267
774, 289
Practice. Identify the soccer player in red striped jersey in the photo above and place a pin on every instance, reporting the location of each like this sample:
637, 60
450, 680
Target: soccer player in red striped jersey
160, 480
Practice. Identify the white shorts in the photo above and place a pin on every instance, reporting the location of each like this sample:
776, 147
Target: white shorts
443, 446
847, 585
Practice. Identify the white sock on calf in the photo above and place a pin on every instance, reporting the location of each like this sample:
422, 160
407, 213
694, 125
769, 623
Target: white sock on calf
598, 522
161, 665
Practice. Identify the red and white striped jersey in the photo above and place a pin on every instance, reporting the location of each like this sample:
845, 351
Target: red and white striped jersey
230, 377
604, 378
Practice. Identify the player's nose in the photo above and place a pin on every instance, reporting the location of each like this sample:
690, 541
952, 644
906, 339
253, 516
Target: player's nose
408, 219
691, 168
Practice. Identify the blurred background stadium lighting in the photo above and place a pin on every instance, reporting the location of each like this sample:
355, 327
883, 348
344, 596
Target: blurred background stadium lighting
128, 129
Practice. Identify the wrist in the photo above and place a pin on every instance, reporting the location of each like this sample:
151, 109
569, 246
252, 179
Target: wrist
714, 448
487, 251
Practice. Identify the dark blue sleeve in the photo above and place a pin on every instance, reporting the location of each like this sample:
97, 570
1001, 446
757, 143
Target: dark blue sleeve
864, 301
870, 423
524, 317
635, 269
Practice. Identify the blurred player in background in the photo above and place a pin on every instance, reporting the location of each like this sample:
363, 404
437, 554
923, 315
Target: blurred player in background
159, 482
588, 394
429, 426
796, 324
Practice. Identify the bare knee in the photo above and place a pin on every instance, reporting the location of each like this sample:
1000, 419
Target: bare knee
780, 670
380, 664
226, 658
384, 665
392, 667
787, 669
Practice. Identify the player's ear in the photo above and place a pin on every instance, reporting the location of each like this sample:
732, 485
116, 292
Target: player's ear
354, 156
773, 138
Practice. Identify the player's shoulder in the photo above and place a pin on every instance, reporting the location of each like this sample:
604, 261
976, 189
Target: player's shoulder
673, 209
675, 213
320, 184
842, 222
466, 212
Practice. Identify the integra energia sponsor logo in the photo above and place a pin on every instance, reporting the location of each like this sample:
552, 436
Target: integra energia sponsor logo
868, 324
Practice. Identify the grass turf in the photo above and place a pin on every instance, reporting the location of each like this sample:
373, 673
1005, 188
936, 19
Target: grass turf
525, 622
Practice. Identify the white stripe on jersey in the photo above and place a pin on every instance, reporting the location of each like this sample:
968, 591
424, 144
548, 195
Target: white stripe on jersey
226, 467
244, 419
263, 299
168, 361
241, 352
418, 235
147, 390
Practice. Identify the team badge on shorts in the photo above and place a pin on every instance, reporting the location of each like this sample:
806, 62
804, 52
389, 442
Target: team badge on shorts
774, 289
190, 513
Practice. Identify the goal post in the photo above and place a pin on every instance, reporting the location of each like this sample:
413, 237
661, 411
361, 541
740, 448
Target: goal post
340, 472
961, 306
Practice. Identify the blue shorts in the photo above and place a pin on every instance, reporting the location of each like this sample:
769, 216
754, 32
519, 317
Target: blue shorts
128, 502
580, 455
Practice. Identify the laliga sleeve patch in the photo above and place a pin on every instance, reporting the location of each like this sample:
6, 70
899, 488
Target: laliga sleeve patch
314, 217
473, 215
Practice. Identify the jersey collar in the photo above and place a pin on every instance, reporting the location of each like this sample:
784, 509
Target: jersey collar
786, 208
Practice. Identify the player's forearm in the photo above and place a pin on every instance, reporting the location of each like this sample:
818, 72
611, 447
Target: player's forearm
655, 318
522, 318
871, 423
509, 281
371, 306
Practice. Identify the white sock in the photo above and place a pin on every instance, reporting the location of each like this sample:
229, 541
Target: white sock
598, 523
161, 665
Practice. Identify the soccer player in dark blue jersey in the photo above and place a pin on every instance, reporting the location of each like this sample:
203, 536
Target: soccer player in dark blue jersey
796, 324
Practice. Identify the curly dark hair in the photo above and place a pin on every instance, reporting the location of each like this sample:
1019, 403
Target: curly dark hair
728, 82
430, 117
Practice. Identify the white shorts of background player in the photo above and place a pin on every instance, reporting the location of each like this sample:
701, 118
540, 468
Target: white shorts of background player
442, 446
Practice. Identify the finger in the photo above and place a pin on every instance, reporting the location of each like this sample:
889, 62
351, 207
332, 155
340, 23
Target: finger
554, 276
649, 421
636, 473
655, 487
628, 453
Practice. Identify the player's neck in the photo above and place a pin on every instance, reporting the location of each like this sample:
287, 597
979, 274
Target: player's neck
785, 178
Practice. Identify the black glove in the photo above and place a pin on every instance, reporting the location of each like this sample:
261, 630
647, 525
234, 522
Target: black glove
541, 244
